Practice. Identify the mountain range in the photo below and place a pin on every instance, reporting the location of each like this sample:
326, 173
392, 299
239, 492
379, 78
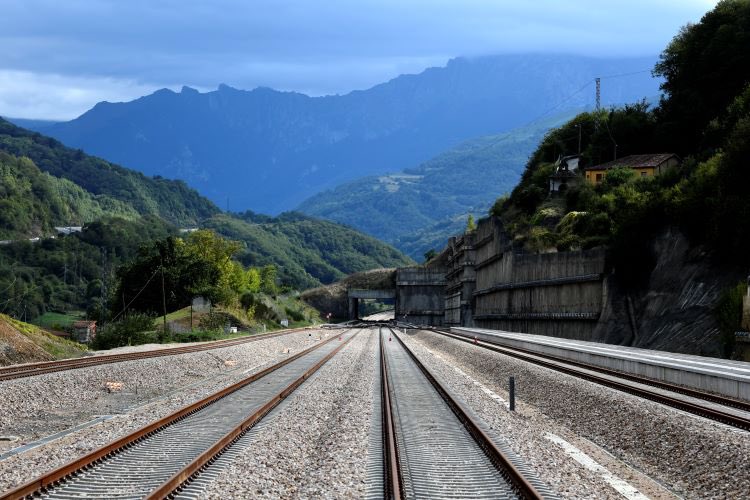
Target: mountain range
45, 184
268, 151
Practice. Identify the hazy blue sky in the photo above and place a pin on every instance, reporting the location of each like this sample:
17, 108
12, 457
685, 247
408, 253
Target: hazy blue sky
59, 58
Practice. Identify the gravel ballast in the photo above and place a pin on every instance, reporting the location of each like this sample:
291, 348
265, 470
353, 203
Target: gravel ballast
39, 406
584, 440
316, 446
634, 438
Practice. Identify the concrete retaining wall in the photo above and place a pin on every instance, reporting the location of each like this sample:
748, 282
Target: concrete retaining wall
420, 296
560, 294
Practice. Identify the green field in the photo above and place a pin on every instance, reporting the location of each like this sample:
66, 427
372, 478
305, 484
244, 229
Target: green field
58, 321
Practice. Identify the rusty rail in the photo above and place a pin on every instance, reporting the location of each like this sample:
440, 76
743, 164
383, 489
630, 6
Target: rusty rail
61, 473
32, 369
503, 464
392, 467
574, 368
203, 460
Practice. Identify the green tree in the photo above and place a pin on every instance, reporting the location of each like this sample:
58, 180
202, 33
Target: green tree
268, 279
253, 280
704, 67
200, 265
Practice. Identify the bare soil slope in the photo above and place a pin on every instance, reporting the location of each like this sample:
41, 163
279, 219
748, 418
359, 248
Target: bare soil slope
24, 343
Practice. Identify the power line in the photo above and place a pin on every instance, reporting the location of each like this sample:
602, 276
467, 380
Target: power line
626, 74
559, 104
136, 296
529, 123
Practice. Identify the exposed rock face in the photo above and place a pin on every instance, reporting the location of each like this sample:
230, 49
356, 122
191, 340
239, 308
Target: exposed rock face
333, 298
675, 312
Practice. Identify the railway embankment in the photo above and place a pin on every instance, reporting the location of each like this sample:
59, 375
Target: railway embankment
333, 298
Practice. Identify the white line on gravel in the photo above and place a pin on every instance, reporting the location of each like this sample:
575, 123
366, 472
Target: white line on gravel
623, 487
499, 400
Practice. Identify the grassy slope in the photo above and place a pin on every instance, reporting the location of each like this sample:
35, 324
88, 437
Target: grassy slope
24, 343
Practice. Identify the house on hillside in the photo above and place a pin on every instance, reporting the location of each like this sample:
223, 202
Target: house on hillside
64, 230
644, 165
84, 331
566, 173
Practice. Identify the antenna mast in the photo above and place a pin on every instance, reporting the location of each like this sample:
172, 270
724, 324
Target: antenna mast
598, 93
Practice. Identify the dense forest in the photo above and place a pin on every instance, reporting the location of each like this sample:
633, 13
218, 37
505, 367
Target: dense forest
308, 251
703, 117
73, 272
171, 200
33, 202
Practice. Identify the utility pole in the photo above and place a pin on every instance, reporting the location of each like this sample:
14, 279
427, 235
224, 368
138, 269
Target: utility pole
102, 289
579, 138
163, 295
598, 93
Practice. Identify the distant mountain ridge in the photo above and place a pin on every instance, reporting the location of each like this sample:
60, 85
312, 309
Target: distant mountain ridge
267, 150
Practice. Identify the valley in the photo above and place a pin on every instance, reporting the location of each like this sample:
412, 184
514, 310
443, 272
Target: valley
384, 270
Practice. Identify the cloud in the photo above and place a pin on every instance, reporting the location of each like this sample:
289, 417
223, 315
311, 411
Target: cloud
325, 46
58, 97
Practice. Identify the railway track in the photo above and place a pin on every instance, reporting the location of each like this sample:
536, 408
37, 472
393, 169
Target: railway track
433, 447
157, 460
711, 406
32, 369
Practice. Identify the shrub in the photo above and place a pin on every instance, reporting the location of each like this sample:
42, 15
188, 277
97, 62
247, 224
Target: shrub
728, 314
132, 329
213, 322
294, 315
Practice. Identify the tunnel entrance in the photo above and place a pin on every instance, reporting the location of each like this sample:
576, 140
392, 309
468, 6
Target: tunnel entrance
362, 301
377, 309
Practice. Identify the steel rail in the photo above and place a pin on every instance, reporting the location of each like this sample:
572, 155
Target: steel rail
32, 369
393, 480
558, 364
501, 461
203, 461
97, 456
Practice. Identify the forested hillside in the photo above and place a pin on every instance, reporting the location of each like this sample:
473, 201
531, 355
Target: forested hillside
33, 202
225, 142
307, 251
105, 182
122, 211
419, 208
